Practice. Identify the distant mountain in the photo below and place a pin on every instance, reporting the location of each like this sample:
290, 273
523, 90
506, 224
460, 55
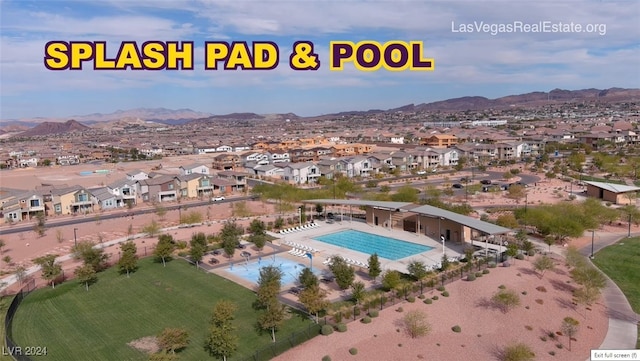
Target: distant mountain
138, 113
48, 128
246, 117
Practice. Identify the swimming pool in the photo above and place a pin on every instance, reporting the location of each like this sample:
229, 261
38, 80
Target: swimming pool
385, 247
290, 269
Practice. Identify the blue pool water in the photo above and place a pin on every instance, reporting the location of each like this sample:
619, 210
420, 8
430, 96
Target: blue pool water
385, 247
290, 269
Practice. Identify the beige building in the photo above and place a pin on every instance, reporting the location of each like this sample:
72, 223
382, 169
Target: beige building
614, 193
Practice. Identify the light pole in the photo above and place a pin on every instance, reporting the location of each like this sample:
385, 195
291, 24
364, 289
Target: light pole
300, 215
75, 238
592, 237
629, 229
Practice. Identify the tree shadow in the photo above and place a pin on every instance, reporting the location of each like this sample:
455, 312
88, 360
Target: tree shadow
489, 305
497, 351
562, 286
528, 272
565, 303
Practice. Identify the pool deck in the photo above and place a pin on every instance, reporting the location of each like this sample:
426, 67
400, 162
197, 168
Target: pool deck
324, 250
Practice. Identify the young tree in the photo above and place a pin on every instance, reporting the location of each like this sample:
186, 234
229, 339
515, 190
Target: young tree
152, 228
59, 236
415, 323
570, 328
527, 246
95, 257
549, 241
343, 272
230, 236
269, 284
390, 279
314, 300
171, 340
417, 270
543, 264
164, 248
221, 340
506, 300
21, 274
86, 275
39, 227
128, 262
586, 296
49, 267
272, 317
198, 245
374, 266
161, 211
307, 278
357, 291
512, 250
589, 277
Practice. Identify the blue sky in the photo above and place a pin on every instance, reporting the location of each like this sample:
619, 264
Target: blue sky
472, 63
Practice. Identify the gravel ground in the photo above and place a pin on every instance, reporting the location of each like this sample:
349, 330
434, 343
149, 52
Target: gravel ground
485, 329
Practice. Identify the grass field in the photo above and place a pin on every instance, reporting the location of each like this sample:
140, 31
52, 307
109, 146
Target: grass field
97, 325
621, 262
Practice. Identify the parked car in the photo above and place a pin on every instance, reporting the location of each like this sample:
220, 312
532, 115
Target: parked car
486, 181
217, 199
245, 254
241, 246
213, 261
457, 185
465, 179
421, 172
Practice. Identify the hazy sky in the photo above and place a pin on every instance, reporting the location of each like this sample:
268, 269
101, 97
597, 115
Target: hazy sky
486, 63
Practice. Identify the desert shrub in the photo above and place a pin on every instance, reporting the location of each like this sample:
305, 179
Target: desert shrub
485, 271
326, 330
520, 256
337, 317
491, 264
326, 358
471, 277
543, 338
411, 299
506, 300
478, 274
502, 287
399, 309
373, 313
428, 301
366, 319
341, 327
422, 297
552, 353
353, 351
456, 328
445, 294
356, 312
435, 298
541, 289
440, 288
415, 323
517, 352
559, 345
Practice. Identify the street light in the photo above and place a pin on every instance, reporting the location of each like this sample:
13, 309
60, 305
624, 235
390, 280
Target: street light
75, 238
300, 215
592, 237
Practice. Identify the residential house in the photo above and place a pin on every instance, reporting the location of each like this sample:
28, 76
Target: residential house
238, 179
278, 156
224, 148
159, 189
195, 185
380, 162
28, 162
440, 141
401, 160
226, 161
301, 173
478, 152
195, 168
356, 166
137, 175
268, 171
343, 150
125, 190
329, 167
72, 200
257, 158
22, 206
68, 160
105, 199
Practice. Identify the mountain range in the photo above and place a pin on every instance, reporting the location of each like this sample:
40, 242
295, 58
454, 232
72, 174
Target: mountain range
157, 117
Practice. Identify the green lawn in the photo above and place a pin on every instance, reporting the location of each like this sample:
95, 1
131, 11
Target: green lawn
621, 262
97, 325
